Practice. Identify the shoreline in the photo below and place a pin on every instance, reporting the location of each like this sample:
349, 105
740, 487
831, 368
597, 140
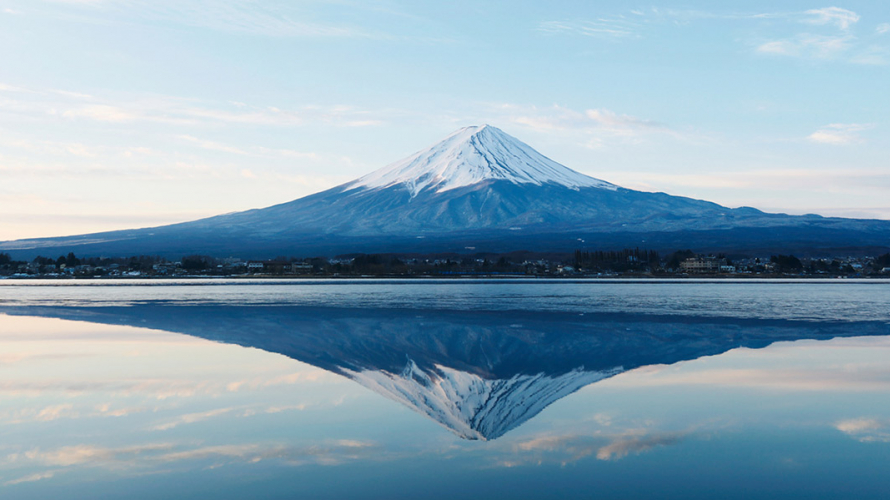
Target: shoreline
462, 279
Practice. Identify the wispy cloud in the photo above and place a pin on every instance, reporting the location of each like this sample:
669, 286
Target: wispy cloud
272, 19
52, 105
842, 18
558, 117
846, 180
808, 45
839, 134
616, 27
839, 43
594, 127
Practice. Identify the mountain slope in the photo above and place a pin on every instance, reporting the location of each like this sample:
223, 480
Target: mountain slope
482, 188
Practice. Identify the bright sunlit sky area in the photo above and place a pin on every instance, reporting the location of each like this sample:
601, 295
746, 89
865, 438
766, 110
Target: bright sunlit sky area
132, 113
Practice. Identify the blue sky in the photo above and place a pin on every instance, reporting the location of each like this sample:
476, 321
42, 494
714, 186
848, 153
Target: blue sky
130, 113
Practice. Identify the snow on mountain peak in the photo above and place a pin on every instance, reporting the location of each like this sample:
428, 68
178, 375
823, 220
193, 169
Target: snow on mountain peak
472, 155
471, 406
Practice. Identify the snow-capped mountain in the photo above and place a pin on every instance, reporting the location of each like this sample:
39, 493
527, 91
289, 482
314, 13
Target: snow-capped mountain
470, 156
483, 189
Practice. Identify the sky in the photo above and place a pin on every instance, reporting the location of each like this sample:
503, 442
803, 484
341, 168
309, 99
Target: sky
133, 113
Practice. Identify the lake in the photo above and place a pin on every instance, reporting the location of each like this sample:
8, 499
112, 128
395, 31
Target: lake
526, 389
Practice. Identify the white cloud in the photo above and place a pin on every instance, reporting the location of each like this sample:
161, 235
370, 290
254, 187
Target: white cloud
808, 45
839, 134
882, 28
842, 18
560, 118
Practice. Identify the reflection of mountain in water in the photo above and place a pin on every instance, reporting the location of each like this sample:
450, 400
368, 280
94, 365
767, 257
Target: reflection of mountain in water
471, 406
478, 373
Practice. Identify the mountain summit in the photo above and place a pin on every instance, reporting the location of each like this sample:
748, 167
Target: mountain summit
472, 155
484, 190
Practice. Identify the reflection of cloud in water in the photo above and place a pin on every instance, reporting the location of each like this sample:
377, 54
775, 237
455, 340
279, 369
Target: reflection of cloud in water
191, 418
566, 449
30, 478
866, 430
141, 459
41, 414
68, 456
796, 379
625, 445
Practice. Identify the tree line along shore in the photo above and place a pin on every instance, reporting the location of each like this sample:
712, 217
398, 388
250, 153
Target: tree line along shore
614, 263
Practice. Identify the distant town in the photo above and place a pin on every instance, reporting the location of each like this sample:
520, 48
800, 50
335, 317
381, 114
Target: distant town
582, 264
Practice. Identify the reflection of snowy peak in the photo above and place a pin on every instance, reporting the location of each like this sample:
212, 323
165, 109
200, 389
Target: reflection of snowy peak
472, 155
469, 405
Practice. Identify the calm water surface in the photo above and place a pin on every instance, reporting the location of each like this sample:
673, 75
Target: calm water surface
393, 389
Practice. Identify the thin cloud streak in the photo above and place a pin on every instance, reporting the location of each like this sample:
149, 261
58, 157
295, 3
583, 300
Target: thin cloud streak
244, 17
43, 105
808, 45
599, 28
839, 134
595, 127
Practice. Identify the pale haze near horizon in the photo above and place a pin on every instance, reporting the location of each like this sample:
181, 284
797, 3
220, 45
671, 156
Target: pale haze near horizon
132, 113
